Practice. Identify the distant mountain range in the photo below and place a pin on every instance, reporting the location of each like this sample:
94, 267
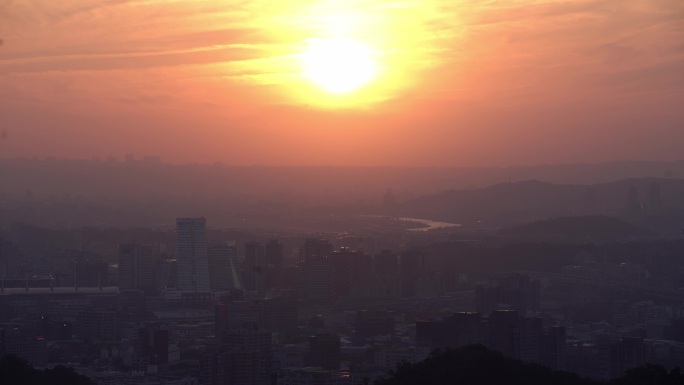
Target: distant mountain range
586, 228
645, 200
97, 179
63, 192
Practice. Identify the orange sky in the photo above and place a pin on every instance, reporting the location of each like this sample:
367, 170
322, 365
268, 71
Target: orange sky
461, 82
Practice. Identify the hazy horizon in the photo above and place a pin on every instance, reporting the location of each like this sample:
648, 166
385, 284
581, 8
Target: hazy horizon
158, 160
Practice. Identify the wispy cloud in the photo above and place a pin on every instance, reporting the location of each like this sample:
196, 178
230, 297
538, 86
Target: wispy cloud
112, 57
585, 36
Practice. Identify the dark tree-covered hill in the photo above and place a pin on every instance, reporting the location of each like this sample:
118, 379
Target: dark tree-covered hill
655, 202
477, 365
15, 371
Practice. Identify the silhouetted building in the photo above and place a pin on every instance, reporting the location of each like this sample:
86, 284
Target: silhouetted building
412, 263
469, 327
278, 314
314, 376
262, 268
428, 333
350, 267
324, 351
191, 255
618, 357
460, 329
89, 271
55, 328
450, 279
515, 291
242, 357
412, 266
371, 323
96, 324
386, 263
58, 301
487, 298
168, 273
317, 282
274, 263
137, 268
553, 350
132, 306
504, 332
362, 267
223, 266
274, 253
154, 344
531, 332
254, 268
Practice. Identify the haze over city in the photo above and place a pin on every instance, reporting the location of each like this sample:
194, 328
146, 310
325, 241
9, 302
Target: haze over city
329, 192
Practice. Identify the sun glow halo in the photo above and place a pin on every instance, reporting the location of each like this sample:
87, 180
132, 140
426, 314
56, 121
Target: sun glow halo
339, 66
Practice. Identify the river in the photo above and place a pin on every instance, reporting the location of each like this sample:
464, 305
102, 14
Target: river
428, 224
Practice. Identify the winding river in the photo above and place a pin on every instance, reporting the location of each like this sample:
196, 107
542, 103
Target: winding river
428, 224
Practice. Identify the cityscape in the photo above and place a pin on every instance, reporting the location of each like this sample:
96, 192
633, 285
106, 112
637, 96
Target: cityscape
596, 293
341, 192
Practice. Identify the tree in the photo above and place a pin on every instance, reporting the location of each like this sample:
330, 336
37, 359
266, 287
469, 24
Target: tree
651, 375
15, 371
477, 365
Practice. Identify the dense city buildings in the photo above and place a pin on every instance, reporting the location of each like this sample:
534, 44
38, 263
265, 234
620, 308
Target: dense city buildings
306, 310
330, 192
276, 314
386, 263
153, 340
324, 351
242, 356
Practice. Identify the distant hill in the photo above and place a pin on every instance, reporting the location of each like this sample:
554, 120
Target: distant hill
145, 179
60, 193
590, 228
477, 365
511, 204
529, 199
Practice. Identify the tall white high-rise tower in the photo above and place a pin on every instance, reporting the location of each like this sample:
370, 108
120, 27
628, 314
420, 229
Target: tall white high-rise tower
191, 255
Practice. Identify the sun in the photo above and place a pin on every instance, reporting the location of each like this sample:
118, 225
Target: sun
339, 65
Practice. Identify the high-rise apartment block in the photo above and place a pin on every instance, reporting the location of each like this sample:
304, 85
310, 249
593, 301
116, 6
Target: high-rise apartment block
223, 266
243, 356
254, 268
324, 351
137, 268
317, 271
191, 255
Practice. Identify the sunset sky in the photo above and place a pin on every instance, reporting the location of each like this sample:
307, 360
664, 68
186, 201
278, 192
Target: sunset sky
440, 82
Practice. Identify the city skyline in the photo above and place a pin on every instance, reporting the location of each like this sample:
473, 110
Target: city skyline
341, 192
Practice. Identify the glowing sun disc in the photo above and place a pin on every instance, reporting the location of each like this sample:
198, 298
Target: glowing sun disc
339, 66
